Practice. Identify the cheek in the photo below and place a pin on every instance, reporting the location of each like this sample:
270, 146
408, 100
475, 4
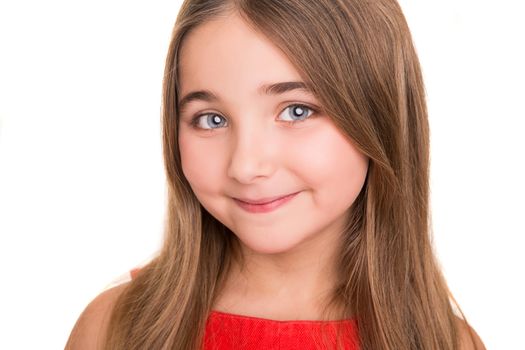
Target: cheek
200, 165
331, 166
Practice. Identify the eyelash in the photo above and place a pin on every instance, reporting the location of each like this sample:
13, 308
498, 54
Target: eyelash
195, 119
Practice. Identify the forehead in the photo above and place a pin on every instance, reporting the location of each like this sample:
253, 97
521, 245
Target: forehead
226, 55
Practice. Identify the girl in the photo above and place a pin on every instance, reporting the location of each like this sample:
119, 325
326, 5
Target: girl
296, 146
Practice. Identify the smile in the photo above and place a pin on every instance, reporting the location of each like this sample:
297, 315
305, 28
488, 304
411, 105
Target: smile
265, 207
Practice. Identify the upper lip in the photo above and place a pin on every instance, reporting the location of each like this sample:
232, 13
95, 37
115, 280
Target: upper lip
263, 200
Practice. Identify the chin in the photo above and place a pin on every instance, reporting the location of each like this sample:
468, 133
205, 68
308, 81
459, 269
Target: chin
268, 244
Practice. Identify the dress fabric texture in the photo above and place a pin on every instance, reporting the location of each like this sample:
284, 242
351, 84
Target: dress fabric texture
237, 332
226, 331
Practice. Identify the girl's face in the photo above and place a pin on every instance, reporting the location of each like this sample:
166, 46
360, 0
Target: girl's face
243, 143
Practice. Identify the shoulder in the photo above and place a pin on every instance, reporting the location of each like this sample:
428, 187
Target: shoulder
468, 338
90, 327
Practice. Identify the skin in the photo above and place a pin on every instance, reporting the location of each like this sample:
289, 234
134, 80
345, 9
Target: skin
251, 152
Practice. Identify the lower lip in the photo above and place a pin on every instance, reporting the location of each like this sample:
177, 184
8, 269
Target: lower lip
266, 207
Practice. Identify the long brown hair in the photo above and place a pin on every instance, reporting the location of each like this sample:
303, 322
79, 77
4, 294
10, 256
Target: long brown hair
358, 59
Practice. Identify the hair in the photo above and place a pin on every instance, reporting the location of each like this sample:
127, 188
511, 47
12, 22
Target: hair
358, 59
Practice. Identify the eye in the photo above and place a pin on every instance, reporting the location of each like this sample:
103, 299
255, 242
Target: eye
210, 121
298, 111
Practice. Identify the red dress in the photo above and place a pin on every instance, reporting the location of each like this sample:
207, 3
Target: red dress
225, 331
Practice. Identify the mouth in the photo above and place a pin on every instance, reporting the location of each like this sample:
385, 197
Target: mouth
264, 205
265, 200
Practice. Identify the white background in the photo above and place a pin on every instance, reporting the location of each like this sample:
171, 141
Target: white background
82, 185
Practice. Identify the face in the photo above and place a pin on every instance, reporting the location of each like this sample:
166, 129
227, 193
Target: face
239, 140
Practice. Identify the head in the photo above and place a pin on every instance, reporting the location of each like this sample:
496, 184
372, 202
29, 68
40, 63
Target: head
239, 137
357, 157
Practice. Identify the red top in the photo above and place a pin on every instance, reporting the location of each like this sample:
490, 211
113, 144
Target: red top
225, 331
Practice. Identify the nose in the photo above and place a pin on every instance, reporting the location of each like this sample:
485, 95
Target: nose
251, 154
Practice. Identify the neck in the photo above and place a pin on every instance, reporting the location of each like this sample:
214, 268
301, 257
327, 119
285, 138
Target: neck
296, 284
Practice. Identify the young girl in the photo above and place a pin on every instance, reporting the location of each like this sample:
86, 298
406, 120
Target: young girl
296, 146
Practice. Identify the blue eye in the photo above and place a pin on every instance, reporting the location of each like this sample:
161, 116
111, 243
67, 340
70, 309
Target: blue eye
211, 119
298, 113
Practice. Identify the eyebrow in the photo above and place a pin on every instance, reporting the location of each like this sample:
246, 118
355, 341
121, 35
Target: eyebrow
268, 89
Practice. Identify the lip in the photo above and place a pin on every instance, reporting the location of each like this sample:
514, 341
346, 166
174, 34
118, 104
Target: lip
263, 200
264, 205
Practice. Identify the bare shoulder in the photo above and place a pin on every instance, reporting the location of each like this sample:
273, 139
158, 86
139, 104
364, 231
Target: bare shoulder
466, 341
90, 327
